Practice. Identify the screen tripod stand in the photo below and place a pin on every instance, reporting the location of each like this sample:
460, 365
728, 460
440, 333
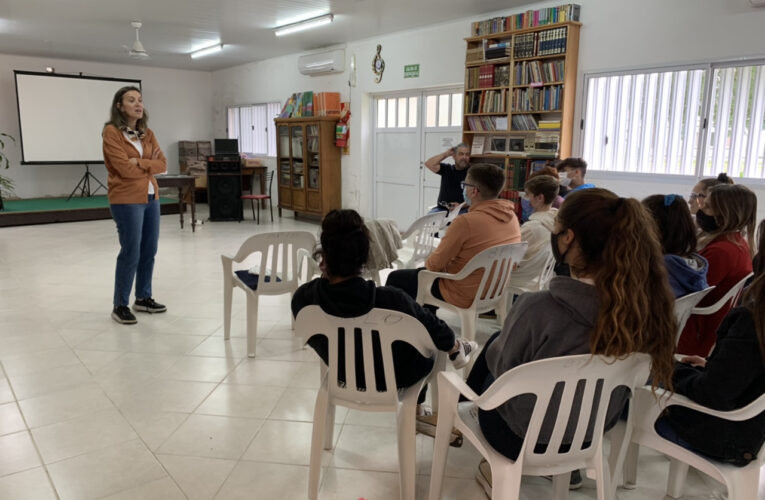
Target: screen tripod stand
84, 185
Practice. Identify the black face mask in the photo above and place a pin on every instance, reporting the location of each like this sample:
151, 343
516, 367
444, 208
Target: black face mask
555, 250
707, 223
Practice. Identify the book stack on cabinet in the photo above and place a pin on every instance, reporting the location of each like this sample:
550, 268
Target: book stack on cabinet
520, 90
308, 165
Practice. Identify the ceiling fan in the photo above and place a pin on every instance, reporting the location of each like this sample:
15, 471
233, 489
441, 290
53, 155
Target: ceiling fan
137, 51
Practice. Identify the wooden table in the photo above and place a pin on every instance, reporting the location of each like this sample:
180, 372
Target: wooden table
261, 173
181, 182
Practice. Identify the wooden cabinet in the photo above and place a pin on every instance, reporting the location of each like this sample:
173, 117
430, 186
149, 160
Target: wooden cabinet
308, 165
520, 90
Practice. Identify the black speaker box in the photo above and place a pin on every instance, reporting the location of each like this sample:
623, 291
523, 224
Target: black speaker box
224, 193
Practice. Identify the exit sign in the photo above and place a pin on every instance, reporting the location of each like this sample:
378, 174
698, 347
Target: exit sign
412, 71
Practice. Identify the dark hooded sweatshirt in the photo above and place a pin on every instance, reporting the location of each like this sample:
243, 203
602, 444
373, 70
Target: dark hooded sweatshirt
355, 297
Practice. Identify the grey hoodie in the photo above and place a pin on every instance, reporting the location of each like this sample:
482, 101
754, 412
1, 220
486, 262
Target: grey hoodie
547, 324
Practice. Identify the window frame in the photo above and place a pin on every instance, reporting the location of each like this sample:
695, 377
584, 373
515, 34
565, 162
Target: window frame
270, 131
706, 103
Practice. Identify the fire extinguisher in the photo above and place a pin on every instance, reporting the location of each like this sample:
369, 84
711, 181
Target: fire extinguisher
342, 129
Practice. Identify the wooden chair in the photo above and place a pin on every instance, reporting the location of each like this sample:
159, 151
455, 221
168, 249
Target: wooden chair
497, 263
255, 199
276, 257
595, 376
389, 326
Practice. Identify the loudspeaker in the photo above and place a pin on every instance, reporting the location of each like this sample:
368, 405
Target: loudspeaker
224, 193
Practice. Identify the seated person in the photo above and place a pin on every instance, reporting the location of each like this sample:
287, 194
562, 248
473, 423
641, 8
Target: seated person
617, 274
727, 222
526, 207
342, 292
700, 191
572, 172
489, 222
677, 231
732, 377
541, 192
450, 193
758, 262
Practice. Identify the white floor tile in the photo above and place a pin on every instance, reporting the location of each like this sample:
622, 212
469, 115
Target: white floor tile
10, 419
64, 405
160, 489
212, 436
268, 480
241, 401
32, 484
199, 478
17, 453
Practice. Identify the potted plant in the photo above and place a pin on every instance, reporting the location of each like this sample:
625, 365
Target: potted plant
6, 183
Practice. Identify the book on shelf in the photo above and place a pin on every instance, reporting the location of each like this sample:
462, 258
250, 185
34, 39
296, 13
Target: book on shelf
537, 99
524, 122
538, 72
487, 101
528, 19
549, 125
497, 50
546, 143
502, 75
478, 144
541, 43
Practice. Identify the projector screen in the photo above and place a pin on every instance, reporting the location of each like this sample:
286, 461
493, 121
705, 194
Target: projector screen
61, 116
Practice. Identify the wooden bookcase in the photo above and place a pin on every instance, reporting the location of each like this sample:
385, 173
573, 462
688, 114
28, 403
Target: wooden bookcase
308, 165
530, 79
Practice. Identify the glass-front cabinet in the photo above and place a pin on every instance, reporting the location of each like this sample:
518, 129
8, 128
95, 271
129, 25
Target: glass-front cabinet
309, 165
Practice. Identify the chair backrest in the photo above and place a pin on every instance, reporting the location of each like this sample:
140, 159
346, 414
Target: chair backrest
684, 307
270, 180
308, 268
275, 254
497, 263
547, 272
422, 233
731, 297
450, 216
374, 333
588, 379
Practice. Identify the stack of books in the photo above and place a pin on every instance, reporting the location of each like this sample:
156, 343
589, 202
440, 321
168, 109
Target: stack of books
528, 19
298, 105
549, 125
498, 50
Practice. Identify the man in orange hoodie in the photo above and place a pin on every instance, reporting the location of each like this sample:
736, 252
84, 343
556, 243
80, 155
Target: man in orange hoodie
489, 222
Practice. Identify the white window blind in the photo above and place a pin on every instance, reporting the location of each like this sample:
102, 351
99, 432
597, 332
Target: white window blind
397, 112
253, 125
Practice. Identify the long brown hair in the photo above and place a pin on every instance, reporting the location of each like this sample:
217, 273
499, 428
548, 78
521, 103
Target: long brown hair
117, 117
758, 263
619, 246
754, 298
735, 210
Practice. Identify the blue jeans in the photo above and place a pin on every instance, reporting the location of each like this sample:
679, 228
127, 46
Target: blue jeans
138, 230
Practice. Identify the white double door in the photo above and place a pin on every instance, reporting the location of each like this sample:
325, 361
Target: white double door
410, 128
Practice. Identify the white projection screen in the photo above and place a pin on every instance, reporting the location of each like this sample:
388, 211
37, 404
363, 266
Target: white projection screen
61, 116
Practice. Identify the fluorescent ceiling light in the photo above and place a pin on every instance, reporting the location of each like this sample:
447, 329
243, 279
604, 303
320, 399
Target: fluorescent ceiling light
207, 51
303, 25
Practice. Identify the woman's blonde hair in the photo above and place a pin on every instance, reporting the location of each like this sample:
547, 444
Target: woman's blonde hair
619, 247
734, 208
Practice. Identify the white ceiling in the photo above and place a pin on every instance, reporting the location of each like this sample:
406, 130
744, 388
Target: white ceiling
96, 30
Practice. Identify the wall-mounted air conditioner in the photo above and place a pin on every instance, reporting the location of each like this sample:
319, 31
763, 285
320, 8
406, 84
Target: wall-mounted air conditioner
322, 63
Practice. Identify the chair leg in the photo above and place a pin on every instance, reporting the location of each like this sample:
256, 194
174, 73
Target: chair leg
252, 206
678, 473
440, 452
467, 323
506, 482
560, 486
228, 291
271, 207
407, 450
619, 438
317, 440
329, 428
630, 466
603, 480
743, 484
252, 323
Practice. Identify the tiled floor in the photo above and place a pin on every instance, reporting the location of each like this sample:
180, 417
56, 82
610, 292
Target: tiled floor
166, 409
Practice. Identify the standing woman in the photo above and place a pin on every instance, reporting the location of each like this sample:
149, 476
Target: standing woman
132, 157
727, 221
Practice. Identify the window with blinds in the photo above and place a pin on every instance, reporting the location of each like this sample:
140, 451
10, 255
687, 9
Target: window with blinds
679, 121
253, 126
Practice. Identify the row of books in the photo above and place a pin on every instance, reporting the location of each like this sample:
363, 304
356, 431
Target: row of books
528, 19
538, 99
488, 75
543, 43
487, 123
307, 104
549, 125
497, 50
531, 72
524, 122
487, 101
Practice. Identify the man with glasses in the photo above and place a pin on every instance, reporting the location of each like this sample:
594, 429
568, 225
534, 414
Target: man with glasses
489, 222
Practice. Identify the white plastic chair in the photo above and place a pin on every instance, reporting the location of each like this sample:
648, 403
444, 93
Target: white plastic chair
308, 268
684, 308
391, 326
497, 263
545, 262
275, 254
600, 376
421, 237
730, 297
742, 482
450, 216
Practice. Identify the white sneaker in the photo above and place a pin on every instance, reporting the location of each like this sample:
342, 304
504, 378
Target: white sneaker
462, 357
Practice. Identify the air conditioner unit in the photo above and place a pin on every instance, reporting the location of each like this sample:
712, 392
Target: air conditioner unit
322, 63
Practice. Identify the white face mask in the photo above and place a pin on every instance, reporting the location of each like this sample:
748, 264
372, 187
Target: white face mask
564, 179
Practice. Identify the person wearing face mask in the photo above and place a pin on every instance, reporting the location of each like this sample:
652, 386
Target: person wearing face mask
450, 195
617, 274
489, 222
541, 192
132, 157
527, 209
727, 221
572, 172
701, 190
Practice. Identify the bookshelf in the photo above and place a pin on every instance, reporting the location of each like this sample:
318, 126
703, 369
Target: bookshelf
308, 165
520, 90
